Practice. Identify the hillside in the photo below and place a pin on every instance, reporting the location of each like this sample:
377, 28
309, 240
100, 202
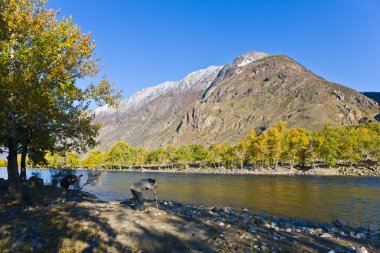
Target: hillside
222, 104
149, 117
372, 95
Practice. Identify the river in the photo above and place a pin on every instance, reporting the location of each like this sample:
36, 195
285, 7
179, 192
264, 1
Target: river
354, 200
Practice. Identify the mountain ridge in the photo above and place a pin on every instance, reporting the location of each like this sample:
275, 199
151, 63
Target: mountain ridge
223, 103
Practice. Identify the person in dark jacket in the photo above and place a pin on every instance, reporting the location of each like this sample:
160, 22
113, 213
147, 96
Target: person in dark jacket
138, 187
69, 180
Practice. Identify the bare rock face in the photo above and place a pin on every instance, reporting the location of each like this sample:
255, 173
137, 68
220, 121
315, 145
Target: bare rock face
222, 104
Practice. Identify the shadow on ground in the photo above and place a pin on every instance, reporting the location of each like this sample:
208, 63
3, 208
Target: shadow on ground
56, 220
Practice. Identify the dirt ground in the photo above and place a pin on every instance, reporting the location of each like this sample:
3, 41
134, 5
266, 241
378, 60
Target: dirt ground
52, 220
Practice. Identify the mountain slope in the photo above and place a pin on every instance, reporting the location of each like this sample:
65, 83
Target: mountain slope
372, 95
259, 94
149, 117
222, 104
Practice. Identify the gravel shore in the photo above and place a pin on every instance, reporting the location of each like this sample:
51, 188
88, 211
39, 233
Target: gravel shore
59, 221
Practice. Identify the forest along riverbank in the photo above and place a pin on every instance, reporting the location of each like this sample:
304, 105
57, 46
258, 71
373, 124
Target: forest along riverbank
340, 171
73, 222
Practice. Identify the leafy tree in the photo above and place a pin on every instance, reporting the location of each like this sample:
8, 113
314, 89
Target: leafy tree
3, 163
215, 154
170, 154
54, 160
198, 153
93, 160
352, 143
121, 153
41, 59
328, 147
297, 142
156, 156
275, 139
258, 150
183, 155
140, 156
241, 151
72, 159
228, 155
372, 145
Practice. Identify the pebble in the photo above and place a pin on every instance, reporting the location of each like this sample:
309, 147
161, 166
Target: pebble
221, 224
288, 230
362, 250
246, 235
326, 235
360, 235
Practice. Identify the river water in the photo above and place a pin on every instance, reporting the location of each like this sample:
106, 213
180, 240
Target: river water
354, 200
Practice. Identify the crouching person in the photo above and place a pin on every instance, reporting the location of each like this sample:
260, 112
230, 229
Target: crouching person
138, 187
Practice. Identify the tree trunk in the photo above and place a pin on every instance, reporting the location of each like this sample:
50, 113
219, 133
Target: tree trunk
14, 182
23, 161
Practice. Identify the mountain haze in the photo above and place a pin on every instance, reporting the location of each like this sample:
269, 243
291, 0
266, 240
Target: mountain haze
222, 104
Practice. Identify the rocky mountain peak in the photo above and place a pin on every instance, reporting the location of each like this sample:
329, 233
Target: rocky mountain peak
199, 79
247, 58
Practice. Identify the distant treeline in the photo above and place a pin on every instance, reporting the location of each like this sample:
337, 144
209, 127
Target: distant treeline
279, 145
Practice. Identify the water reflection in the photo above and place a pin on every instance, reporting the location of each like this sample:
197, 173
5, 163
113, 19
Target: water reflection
353, 199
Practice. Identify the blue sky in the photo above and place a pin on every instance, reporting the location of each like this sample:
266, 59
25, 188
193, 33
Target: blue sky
145, 42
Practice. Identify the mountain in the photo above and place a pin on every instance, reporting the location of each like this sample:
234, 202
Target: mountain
373, 95
222, 104
149, 117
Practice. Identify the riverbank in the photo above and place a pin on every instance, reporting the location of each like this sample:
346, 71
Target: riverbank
52, 220
318, 171
340, 171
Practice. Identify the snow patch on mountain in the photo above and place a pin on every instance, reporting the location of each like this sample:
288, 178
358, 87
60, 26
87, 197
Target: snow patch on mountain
199, 78
247, 58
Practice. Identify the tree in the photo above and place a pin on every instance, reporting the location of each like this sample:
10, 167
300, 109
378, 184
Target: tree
54, 160
229, 155
198, 153
3, 163
121, 153
41, 59
328, 145
94, 160
241, 151
296, 146
183, 155
72, 159
156, 156
258, 150
275, 141
372, 145
170, 154
215, 154
140, 156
